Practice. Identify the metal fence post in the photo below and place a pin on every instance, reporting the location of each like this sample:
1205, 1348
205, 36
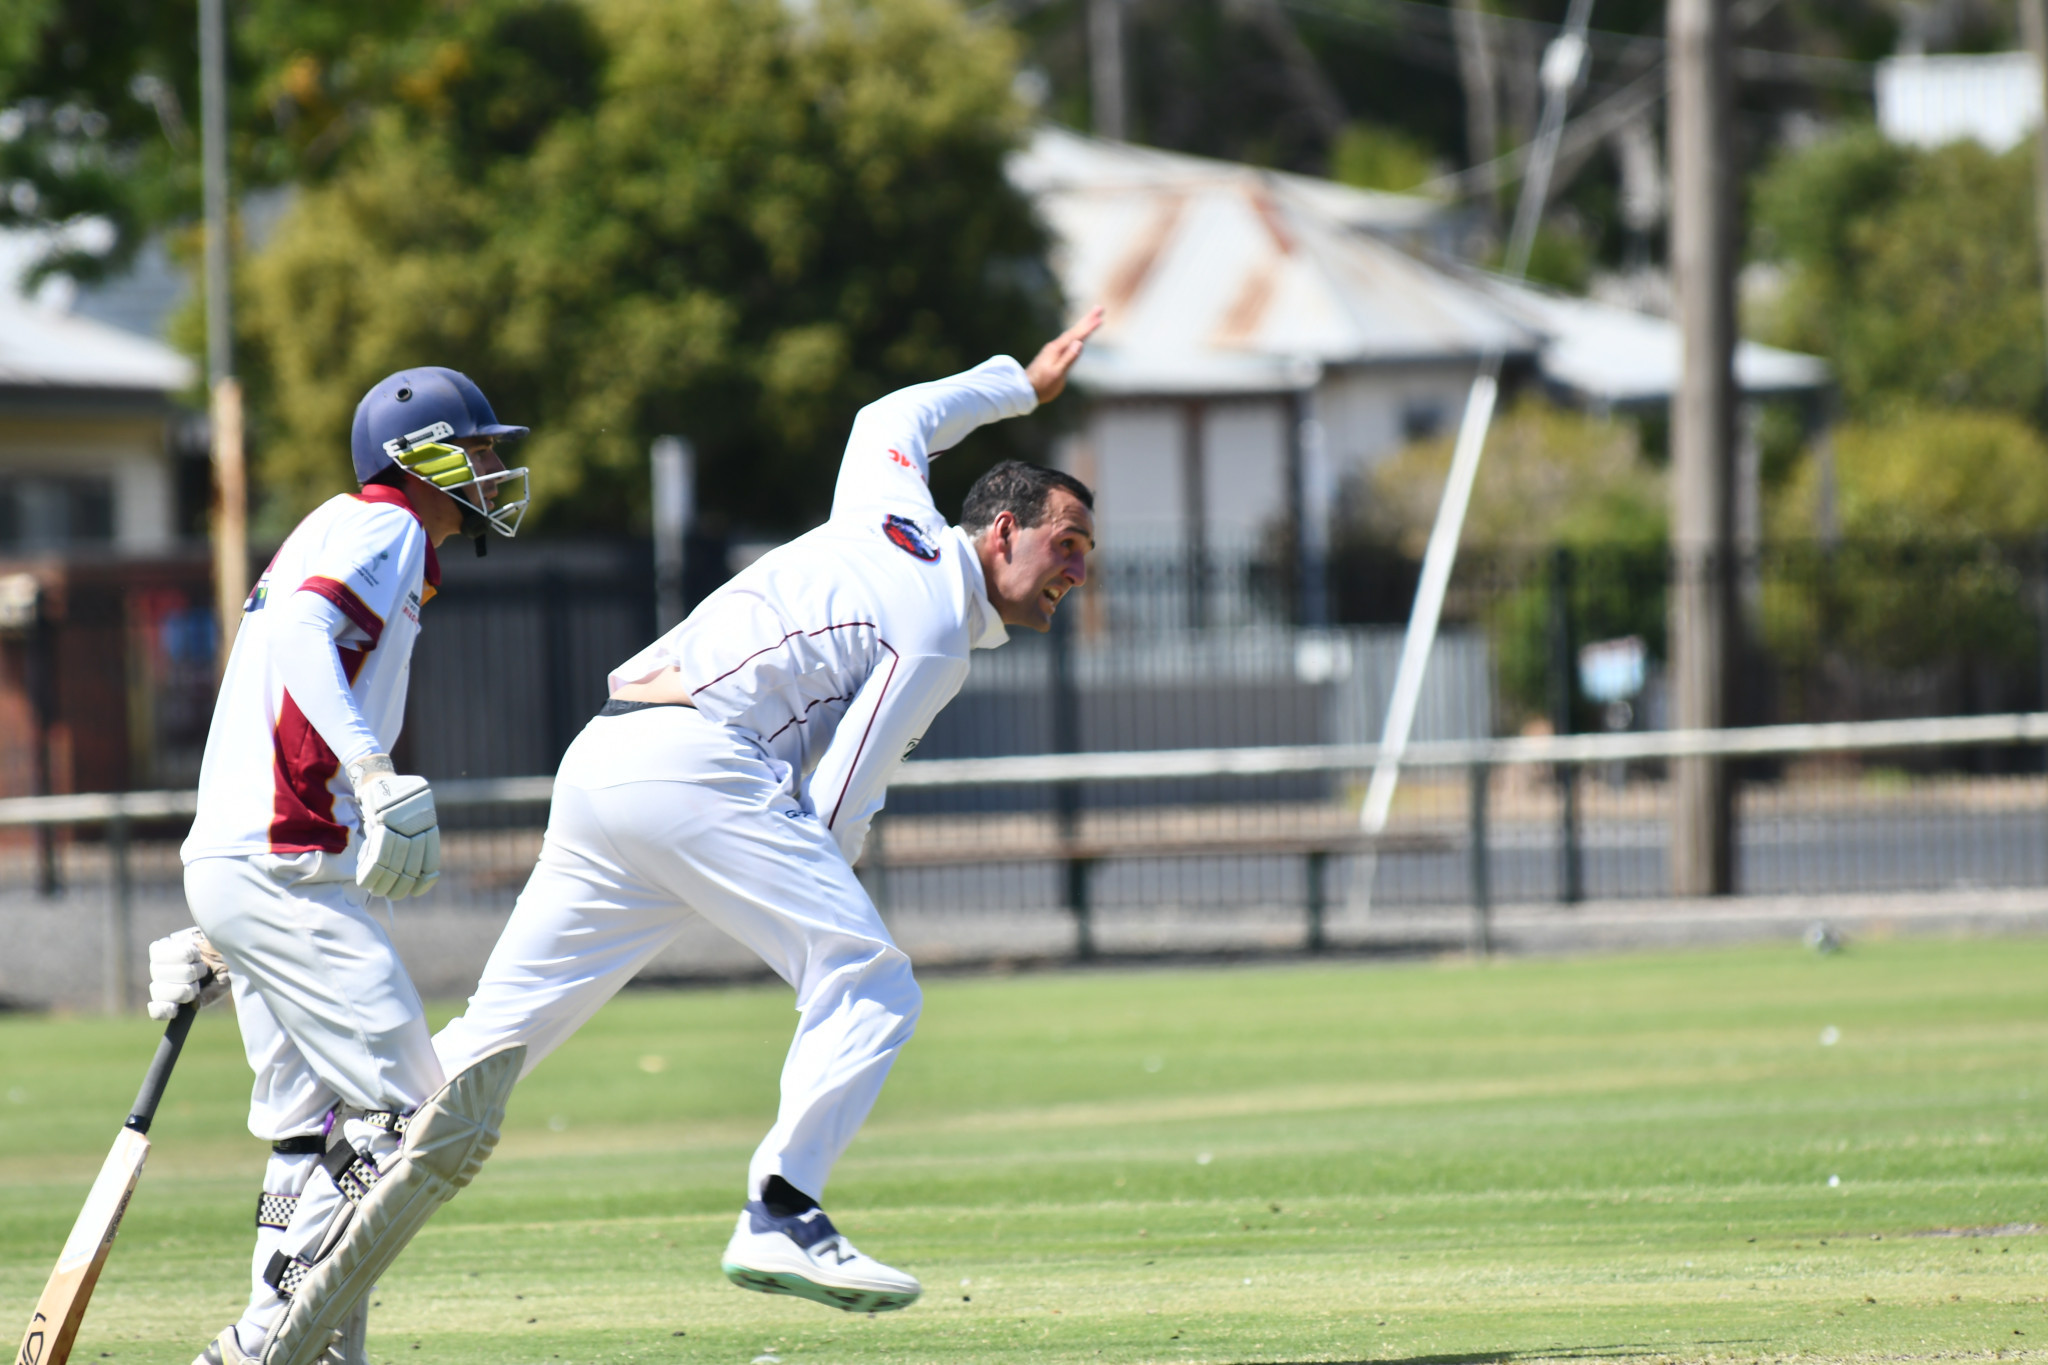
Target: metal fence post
1078, 870
1066, 797
1563, 692
1480, 777
1571, 887
1318, 898
115, 974
41, 667
557, 630
874, 866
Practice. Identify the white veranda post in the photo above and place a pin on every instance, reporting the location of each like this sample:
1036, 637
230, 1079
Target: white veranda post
1563, 64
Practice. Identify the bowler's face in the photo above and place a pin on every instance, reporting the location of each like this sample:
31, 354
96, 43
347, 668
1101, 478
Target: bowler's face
1033, 568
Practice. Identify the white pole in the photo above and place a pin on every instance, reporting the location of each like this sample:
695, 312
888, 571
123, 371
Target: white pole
1563, 64
1429, 597
674, 495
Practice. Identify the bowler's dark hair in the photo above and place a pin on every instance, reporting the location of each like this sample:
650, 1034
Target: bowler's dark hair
1022, 490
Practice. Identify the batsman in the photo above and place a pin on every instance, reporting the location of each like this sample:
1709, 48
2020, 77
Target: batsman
303, 824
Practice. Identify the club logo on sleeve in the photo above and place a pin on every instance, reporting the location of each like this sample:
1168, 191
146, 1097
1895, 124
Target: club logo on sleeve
909, 537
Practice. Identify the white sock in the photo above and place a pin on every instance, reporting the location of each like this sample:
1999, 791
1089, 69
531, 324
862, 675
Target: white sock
283, 1175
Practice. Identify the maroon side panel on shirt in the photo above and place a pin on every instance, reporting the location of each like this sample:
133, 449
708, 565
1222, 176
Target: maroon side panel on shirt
302, 806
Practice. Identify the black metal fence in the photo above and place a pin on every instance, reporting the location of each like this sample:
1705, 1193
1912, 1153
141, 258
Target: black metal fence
517, 647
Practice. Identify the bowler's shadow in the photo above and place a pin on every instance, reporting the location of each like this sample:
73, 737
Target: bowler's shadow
1621, 1350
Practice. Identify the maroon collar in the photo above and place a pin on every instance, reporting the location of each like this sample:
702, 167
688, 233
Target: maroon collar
385, 493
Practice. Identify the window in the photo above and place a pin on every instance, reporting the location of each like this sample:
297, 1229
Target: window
40, 512
1422, 418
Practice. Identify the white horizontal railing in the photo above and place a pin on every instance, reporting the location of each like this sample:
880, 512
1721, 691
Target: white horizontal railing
1166, 764
119, 810
1752, 742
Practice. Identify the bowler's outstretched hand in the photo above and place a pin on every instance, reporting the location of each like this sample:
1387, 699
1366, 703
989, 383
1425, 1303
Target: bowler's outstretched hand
1048, 369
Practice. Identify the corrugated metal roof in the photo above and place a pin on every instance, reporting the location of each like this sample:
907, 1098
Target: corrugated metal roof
1617, 357
44, 347
1217, 277
1059, 158
1225, 279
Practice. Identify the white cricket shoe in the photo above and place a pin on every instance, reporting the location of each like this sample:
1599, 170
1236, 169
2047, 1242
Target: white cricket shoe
225, 1349
806, 1256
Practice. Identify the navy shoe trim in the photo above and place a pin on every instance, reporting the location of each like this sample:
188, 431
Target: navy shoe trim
806, 1229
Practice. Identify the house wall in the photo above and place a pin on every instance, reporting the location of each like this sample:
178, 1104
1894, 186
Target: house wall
1245, 469
69, 458
1368, 414
1134, 451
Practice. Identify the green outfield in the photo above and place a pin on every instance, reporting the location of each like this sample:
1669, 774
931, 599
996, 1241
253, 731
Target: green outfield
1628, 1158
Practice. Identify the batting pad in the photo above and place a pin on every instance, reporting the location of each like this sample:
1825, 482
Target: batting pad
352, 1347
446, 1142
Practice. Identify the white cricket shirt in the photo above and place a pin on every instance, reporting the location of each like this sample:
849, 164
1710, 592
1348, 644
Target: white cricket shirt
271, 782
836, 650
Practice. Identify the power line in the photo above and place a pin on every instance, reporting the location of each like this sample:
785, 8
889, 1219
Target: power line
1751, 63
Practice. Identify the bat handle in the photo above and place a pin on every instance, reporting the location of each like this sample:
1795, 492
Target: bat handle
159, 1074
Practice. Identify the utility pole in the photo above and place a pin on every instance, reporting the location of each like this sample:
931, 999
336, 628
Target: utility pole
1106, 68
1702, 602
230, 477
2034, 27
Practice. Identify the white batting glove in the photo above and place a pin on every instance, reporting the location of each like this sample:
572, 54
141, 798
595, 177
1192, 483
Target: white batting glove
401, 853
184, 969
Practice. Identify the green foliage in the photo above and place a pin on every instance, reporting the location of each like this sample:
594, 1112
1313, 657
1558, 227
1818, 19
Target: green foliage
1550, 479
1374, 156
1932, 507
715, 217
107, 94
21, 29
1561, 256
1550, 476
1916, 272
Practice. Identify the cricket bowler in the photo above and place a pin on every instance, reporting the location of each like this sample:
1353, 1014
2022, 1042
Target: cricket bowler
303, 823
739, 762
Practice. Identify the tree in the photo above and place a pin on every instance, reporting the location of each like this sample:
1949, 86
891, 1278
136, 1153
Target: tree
1552, 479
1938, 514
733, 219
99, 104
1913, 301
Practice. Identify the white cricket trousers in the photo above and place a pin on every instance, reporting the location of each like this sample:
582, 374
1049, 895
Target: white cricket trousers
328, 1014
659, 813
326, 1007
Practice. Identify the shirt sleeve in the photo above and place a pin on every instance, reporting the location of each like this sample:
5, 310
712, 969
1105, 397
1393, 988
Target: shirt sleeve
888, 717
309, 663
369, 566
888, 456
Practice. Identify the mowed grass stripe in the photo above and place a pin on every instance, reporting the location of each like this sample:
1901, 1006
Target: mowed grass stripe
1623, 1158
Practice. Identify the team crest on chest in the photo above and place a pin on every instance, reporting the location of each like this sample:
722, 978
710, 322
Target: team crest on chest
909, 537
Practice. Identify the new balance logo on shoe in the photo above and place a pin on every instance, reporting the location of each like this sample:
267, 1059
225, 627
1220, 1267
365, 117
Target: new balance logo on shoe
804, 1255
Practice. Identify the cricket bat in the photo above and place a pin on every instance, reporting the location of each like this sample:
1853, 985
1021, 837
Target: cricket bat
62, 1307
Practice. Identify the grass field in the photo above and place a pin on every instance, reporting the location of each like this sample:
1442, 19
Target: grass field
1651, 1158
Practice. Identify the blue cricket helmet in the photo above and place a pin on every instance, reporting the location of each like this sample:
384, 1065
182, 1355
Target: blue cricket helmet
412, 400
